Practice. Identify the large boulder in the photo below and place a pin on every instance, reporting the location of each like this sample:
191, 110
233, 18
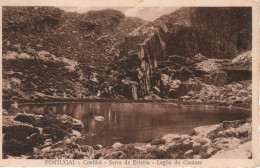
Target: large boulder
115, 155
205, 131
242, 131
226, 143
25, 118
219, 78
71, 122
170, 137
242, 152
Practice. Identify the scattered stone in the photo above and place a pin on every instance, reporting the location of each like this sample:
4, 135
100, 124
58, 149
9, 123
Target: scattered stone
186, 97
211, 151
97, 156
199, 57
156, 89
229, 124
170, 137
188, 154
115, 155
204, 131
97, 147
233, 124
239, 132
226, 143
117, 145
86, 148
25, 118
24, 56
158, 142
76, 133
4, 112
241, 152
72, 122
196, 157
99, 118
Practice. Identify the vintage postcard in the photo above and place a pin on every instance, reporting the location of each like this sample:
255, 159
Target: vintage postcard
137, 83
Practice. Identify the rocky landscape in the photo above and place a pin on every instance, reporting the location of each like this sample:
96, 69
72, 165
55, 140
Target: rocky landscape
190, 56
50, 136
26, 134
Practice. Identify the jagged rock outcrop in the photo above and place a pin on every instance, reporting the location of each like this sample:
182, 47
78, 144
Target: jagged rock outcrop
216, 33
220, 72
104, 54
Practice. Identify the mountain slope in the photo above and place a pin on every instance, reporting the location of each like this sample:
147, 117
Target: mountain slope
39, 43
51, 54
157, 54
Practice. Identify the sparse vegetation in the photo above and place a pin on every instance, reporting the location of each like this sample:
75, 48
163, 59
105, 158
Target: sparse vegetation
194, 55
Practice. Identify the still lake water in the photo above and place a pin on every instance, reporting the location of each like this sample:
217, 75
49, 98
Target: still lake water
138, 122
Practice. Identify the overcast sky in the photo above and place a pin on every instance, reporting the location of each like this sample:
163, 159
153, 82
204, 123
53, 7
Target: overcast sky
146, 13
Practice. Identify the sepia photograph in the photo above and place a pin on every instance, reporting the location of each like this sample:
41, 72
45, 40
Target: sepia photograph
106, 82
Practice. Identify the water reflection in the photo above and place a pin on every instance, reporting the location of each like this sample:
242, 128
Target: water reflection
138, 122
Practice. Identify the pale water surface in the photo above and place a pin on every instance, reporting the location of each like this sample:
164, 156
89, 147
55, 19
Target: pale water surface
138, 122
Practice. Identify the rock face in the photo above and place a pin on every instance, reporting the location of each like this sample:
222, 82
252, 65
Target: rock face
213, 32
104, 54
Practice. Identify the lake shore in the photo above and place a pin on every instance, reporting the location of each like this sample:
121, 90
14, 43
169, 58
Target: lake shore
246, 106
52, 136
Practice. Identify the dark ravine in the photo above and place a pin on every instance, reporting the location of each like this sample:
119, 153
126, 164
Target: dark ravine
50, 136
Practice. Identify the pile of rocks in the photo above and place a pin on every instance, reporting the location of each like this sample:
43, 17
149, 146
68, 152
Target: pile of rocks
51, 136
39, 135
231, 94
204, 142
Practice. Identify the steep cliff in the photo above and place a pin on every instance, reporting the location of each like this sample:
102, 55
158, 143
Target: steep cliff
50, 54
172, 44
